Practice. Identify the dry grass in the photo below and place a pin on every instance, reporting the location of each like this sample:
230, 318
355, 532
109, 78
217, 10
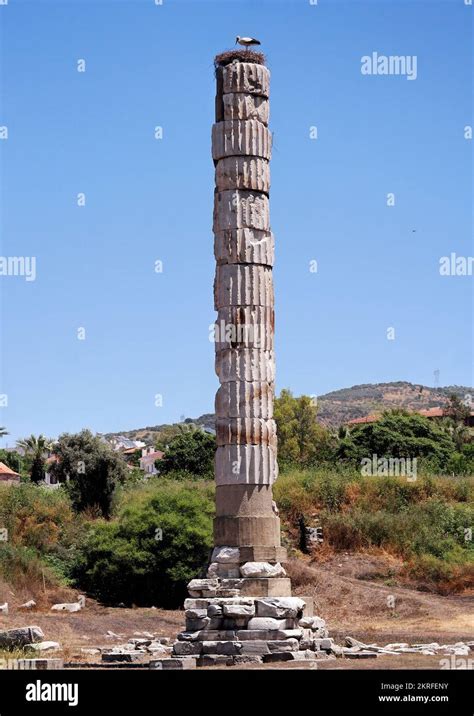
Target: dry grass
225, 58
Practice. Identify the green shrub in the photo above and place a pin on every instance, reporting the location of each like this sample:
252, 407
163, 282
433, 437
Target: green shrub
159, 540
189, 454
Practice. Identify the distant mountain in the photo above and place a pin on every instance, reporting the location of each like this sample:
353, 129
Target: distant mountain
339, 406
360, 400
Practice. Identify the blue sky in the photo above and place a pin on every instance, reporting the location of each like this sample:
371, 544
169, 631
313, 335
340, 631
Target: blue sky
149, 200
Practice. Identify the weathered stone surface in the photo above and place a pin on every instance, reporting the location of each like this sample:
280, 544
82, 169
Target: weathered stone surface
263, 554
287, 607
325, 644
226, 555
187, 648
221, 647
262, 569
202, 587
289, 656
268, 634
239, 610
72, 607
200, 613
235, 623
248, 173
268, 623
28, 605
244, 400
208, 635
174, 663
216, 569
246, 106
246, 431
122, 656
215, 660
248, 464
21, 636
244, 327
157, 649
243, 285
244, 501
361, 655
247, 77
215, 610
280, 645
247, 659
238, 209
276, 586
45, 646
197, 624
255, 647
191, 603
251, 365
312, 622
237, 138
244, 246
240, 531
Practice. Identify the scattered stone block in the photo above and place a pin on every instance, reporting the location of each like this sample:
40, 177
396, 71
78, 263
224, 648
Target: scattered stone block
175, 663
187, 648
228, 648
269, 623
197, 624
122, 656
280, 608
239, 610
45, 646
21, 637
215, 660
195, 613
28, 605
289, 656
226, 555
262, 569
283, 645
203, 587
247, 659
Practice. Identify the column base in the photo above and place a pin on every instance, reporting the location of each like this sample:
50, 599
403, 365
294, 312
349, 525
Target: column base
238, 630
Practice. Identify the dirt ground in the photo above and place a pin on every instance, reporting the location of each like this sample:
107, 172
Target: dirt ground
347, 593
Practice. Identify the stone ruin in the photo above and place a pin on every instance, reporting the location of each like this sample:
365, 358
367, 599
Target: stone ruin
243, 610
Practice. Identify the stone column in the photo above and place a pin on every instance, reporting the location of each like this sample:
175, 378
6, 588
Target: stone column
243, 610
246, 527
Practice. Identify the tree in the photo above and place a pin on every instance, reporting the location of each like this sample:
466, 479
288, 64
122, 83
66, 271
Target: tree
37, 448
398, 434
3, 432
301, 439
168, 432
91, 469
12, 459
190, 452
159, 541
457, 410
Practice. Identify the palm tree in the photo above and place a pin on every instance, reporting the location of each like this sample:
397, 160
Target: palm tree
3, 432
36, 447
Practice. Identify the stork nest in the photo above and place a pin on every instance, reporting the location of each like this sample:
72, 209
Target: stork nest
225, 58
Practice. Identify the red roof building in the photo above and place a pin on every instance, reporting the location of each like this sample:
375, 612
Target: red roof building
7, 474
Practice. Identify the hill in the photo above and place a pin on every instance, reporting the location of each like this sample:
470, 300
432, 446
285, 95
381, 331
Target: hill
342, 405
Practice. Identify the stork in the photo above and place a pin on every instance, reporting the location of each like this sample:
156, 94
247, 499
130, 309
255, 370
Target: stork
246, 41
